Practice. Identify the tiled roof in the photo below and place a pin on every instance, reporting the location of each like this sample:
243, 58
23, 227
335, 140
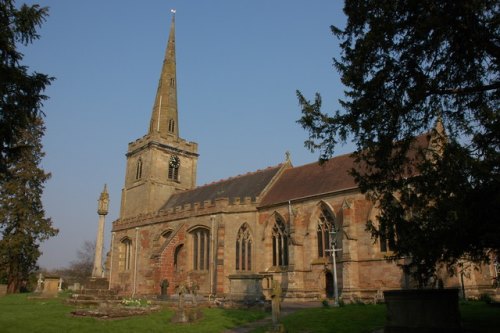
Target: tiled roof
311, 179
316, 179
248, 185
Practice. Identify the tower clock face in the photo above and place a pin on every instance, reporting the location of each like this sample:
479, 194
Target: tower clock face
174, 162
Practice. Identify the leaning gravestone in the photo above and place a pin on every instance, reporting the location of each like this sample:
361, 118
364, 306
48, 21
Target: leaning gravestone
50, 286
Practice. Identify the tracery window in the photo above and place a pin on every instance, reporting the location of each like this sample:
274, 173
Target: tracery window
138, 170
125, 254
201, 249
326, 224
280, 243
244, 249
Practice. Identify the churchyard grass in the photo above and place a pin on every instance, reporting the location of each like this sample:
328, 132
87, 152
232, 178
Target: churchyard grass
20, 314
477, 317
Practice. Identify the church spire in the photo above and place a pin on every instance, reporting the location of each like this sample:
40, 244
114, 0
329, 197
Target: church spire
164, 117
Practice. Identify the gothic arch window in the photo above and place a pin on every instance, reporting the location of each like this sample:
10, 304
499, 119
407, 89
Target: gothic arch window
201, 248
138, 170
125, 254
387, 232
387, 239
171, 125
280, 243
326, 224
173, 168
244, 249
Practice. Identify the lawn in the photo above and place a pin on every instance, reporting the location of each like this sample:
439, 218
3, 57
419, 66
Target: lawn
477, 317
19, 314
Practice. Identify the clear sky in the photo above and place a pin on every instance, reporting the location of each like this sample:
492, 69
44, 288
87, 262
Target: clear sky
239, 64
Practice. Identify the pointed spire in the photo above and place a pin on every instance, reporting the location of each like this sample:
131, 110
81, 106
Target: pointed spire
164, 117
438, 137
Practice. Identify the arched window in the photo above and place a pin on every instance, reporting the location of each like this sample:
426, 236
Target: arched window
138, 170
173, 168
387, 237
166, 234
280, 243
325, 226
171, 125
125, 254
201, 249
244, 249
387, 231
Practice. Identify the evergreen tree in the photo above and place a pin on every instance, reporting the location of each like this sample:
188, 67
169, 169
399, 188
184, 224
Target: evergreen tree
20, 92
409, 66
23, 224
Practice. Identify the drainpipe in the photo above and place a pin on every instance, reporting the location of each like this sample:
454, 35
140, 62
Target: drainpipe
135, 260
213, 267
111, 263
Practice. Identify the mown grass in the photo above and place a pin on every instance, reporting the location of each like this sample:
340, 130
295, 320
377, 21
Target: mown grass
20, 314
350, 318
476, 317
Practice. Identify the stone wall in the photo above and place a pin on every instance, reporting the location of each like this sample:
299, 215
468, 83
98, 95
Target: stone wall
362, 270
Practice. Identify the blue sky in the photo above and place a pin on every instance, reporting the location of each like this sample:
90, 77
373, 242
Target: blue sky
239, 64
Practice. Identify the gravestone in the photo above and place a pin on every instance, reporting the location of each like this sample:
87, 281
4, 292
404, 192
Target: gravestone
163, 289
276, 293
50, 286
3, 289
39, 283
185, 314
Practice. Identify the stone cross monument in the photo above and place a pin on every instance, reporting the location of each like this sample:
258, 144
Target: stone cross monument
102, 211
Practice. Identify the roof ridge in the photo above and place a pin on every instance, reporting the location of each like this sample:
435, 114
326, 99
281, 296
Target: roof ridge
236, 177
319, 162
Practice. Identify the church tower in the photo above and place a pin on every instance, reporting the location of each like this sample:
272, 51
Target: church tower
160, 163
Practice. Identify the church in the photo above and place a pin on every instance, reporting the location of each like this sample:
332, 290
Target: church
232, 237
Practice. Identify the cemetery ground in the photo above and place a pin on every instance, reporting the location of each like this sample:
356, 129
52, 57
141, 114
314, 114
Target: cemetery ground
22, 313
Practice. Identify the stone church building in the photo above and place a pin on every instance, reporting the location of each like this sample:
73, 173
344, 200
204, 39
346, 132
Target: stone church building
233, 236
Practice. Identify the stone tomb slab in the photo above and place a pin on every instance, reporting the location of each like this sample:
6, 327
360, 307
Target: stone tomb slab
50, 286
